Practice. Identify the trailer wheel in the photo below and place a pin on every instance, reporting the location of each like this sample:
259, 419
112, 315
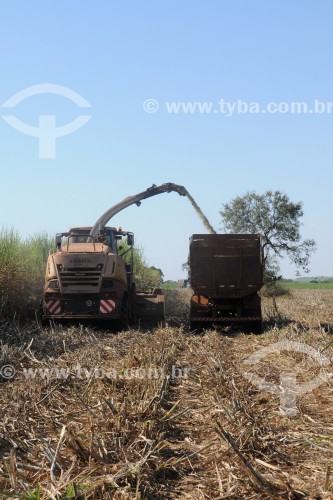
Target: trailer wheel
253, 327
195, 327
256, 327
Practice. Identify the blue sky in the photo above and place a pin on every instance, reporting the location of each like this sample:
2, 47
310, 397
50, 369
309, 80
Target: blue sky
118, 54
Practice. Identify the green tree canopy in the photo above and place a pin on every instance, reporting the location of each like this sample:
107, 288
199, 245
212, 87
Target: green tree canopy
277, 220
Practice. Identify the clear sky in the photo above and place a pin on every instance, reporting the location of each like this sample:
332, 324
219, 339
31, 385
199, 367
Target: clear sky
116, 55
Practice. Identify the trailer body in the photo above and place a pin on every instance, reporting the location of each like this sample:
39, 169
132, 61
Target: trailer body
226, 274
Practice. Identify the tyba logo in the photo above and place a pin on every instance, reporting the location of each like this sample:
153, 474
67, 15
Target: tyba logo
288, 389
47, 132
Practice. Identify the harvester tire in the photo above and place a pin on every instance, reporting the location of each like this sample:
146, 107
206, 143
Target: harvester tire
133, 319
125, 314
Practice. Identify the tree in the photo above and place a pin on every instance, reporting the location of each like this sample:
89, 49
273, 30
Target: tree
277, 220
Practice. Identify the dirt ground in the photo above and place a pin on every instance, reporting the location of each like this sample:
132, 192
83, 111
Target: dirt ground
165, 414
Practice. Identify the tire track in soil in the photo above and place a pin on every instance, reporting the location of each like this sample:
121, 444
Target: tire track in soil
216, 396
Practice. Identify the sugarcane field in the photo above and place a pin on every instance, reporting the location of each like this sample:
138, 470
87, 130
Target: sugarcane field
168, 413
166, 278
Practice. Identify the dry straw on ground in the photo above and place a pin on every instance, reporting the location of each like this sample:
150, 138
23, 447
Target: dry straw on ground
206, 433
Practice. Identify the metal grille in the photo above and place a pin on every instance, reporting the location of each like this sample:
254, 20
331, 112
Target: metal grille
89, 276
